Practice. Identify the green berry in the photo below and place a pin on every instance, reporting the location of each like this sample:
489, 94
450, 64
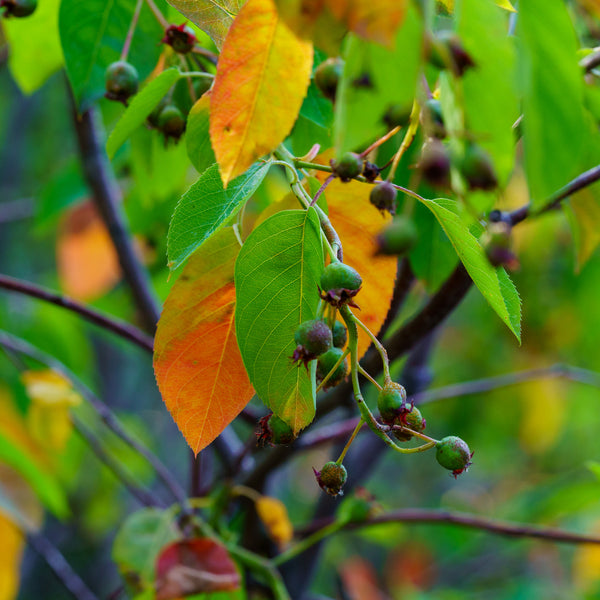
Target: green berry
391, 402
326, 362
171, 121
340, 283
435, 164
413, 419
121, 79
327, 76
447, 51
201, 85
398, 238
331, 478
477, 168
432, 119
453, 454
397, 115
349, 166
339, 334
313, 338
18, 8
281, 432
383, 196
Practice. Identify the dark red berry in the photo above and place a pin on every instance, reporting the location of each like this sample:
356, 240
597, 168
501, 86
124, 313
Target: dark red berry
331, 478
313, 338
453, 454
18, 8
121, 80
383, 196
477, 168
171, 121
339, 334
325, 364
180, 37
327, 76
339, 284
371, 171
435, 164
398, 238
349, 166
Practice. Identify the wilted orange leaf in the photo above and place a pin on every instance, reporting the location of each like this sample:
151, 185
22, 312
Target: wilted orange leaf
193, 567
197, 363
262, 77
357, 222
11, 552
88, 266
274, 515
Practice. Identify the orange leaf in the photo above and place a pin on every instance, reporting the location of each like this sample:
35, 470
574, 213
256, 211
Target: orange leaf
274, 515
357, 222
88, 266
197, 363
262, 78
11, 552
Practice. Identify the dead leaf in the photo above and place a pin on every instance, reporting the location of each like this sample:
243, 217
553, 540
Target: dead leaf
274, 515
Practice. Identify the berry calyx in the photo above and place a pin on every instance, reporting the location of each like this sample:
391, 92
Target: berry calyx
180, 37
477, 168
331, 478
398, 238
18, 8
371, 171
327, 76
391, 402
326, 362
432, 119
435, 164
313, 338
339, 334
121, 81
349, 166
453, 454
274, 431
171, 121
413, 419
383, 196
339, 284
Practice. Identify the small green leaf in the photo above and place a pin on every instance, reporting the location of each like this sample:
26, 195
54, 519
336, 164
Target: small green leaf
495, 285
197, 139
140, 108
317, 108
276, 279
205, 208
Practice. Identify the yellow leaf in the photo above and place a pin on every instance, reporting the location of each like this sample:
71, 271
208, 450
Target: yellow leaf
88, 266
262, 77
506, 5
584, 209
48, 417
447, 4
357, 222
586, 564
543, 414
197, 362
11, 552
592, 6
273, 513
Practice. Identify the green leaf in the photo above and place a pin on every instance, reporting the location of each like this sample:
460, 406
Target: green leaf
554, 127
317, 108
197, 138
140, 108
495, 285
44, 485
35, 51
276, 278
92, 34
141, 538
376, 78
205, 208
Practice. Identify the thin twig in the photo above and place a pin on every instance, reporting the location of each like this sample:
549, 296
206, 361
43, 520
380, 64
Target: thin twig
132, 26
157, 14
125, 330
106, 415
60, 567
107, 197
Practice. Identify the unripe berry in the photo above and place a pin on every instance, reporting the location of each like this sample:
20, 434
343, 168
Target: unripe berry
397, 115
171, 121
447, 51
121, 79
432, 119
180, 37
391, 402
453, 454
349, 166
274, 431
326, 362
201, 85
327, 76
383, 196
331, 478
496, 242
18, 8
339, 334
413, 419
339, 284
398, 238
477, 168
313, 338
435, 164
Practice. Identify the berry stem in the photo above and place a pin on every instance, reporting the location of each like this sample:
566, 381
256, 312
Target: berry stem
365, 374
409, 136
418, 434
307, 542
380, 141
328, 376
156, 12
378, 345
322, 189
198, 74
131, 31
358, 427
302, 164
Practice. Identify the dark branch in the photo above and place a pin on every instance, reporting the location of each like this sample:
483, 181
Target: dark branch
61, 568
125, 330
107, 198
